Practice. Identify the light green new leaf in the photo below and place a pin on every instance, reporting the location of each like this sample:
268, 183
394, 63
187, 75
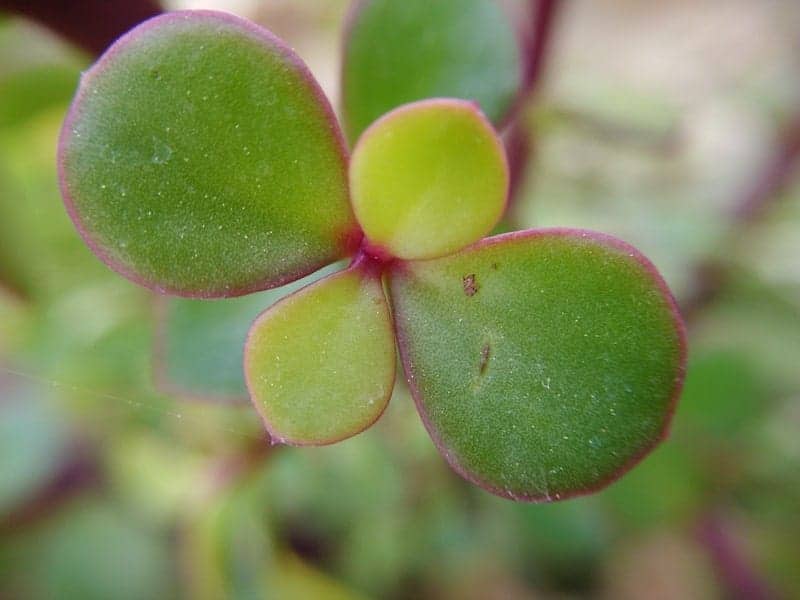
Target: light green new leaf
320, 364
199, 343
428, 179
401, 51
544, 363
201, 158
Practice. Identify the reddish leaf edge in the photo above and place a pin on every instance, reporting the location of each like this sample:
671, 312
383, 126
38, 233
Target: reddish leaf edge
351, 17
350, 239
368, 267
609, 241
470, 107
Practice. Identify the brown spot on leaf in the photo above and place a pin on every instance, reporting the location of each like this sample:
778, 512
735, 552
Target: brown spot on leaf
494, 266
470, 285
484, 358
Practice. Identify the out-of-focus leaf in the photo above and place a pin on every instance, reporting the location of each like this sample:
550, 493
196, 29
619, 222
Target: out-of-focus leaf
26, 93
428, 179
722, 394
235, 545
33, 443
201, 158
200, 342
230, 551
665, 490
320, 364
563, 534
399, 52
544, 363
39, 251
96, 551
295, 579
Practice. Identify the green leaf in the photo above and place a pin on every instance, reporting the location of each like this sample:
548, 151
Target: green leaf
200, 342
320, 364
201, 158
428, 179
543, 363
398, 52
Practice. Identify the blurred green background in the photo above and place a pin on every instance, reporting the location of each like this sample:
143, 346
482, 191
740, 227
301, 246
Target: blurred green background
653, 122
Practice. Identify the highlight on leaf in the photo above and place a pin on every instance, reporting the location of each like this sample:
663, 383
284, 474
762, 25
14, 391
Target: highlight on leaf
320, 364
543, 363
400, 52
201, 158
428, 179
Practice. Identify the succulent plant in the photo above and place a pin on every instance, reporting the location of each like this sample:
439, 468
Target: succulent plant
200, 158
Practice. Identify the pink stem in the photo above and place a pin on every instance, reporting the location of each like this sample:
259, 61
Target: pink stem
710, 277
740, 579
80, 472
536, 45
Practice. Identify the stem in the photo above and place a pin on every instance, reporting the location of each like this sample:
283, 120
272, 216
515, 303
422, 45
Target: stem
536, 48
537, 41
12, 291
774, 178
80, 472
231, 469
740, 579
709, 277
90, 24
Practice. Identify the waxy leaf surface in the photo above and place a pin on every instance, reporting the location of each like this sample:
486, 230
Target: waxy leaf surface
200, 158
401, 51
200, 342
544, 363
320, 364
428, 179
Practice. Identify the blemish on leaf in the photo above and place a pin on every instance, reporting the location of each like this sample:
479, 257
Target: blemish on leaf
484, 364
470, 285
161, 153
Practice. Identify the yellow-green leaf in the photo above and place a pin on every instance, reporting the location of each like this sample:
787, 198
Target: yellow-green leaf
428, 179
320, 364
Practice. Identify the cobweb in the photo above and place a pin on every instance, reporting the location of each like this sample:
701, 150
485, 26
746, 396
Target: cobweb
193, 412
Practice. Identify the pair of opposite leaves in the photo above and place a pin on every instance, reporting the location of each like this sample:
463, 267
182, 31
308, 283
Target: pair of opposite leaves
200, 158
